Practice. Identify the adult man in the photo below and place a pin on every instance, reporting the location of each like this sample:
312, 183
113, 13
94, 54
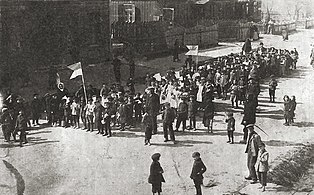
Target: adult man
249, 116
7, 123
152, 107
252, 146
168, 116
272, 88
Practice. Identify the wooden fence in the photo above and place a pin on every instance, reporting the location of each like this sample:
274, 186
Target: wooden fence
154, 37
202, 36
233, 30
145, 37
289, 26
305, 23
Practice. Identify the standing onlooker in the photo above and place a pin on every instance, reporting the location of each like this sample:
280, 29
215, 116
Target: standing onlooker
253, 144
122, 114
90, 115
272, 88
98, 116
192, 111
168, 117
155, 175
182, 113
7, 124
197, 172
152, 106
106, 118
293, 107
287, 110
230, 127
247, 46
249, 116
35, 109
21, 126
83, 113
147, 122
75, 111
208, 117
262, 166
138, 108
234, 94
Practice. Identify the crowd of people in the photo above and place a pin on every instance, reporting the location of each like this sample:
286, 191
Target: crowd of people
179, 96
182, 95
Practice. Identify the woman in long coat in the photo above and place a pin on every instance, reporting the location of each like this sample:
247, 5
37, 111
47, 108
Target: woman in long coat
155, 177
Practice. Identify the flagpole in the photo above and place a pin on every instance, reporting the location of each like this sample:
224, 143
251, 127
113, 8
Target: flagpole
197, 59
84, 88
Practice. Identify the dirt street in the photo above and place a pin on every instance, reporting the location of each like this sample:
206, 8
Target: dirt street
75, 162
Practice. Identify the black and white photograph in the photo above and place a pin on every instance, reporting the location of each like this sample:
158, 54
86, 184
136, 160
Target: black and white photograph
156, 97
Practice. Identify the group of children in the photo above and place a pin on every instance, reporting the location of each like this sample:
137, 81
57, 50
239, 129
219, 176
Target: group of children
156, 178
198, 169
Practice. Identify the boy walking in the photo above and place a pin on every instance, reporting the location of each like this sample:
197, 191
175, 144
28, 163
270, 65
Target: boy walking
197, 172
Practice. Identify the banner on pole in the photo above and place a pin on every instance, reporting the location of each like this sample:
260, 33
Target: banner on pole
77, 70
193, 50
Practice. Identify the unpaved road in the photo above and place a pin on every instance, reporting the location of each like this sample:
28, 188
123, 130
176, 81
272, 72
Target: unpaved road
74, 162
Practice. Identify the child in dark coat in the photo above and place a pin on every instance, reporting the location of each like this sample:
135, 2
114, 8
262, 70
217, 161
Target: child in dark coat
168, 116
192, 111
147, 122
230, 126
155, 176
197, 172
21, 125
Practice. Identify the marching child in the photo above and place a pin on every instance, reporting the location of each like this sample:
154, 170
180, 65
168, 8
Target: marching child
262, 165
230, 127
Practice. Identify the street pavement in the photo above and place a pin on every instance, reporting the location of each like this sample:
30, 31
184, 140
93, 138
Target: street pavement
73, 162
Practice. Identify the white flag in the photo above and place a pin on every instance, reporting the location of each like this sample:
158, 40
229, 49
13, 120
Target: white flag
157, 77
77, 70
193, 50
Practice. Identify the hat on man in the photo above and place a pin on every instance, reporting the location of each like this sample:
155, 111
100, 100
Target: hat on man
4, 109
156, 156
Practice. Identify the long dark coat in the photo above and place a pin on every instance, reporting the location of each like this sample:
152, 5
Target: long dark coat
249, 113
155, 175
198, 169
153, 104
